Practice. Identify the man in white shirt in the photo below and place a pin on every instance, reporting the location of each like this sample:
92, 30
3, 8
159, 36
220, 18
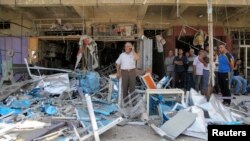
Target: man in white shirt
125, 66
198, 70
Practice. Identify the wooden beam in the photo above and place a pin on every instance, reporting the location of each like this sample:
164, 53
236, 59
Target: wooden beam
142, 10
37, 3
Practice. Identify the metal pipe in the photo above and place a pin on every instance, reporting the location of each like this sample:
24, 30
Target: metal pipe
53, 19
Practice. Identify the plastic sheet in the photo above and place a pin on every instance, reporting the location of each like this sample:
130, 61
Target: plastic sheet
7, 110
49, 109
105, 109
35, 92
89, 82
55, 84
20, 104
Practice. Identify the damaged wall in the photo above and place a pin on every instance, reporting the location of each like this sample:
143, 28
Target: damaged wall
20, 24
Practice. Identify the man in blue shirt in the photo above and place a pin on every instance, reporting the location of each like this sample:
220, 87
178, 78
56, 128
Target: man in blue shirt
226, 65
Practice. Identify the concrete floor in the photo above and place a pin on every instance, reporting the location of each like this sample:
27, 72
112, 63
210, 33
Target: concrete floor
145, 133
137, 133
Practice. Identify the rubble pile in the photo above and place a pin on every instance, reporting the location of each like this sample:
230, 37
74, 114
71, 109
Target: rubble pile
84, 104
57, 104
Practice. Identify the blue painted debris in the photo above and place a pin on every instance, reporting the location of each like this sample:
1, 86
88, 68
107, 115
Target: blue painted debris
177, 107
89, 82
155, 100
233, 123
7, 110
158, 105
105, 109
49, 109
20, 104
35, 92
30, 113
83, 113
163, 109
153, 103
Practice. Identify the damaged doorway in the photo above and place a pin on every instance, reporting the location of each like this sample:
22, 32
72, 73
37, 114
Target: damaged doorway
58, 53
109, 51
158, 57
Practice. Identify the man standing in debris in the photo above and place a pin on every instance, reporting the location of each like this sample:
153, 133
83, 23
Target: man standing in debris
190, 71
226, 65
125, 66
198, 70
169, 65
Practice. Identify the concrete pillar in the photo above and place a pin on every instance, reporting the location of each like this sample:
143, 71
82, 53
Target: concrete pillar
88, 27
140, 28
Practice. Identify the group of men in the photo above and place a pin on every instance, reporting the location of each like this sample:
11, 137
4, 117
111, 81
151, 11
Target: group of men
189, 71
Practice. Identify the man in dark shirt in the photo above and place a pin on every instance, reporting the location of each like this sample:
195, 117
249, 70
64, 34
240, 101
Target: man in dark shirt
180, 63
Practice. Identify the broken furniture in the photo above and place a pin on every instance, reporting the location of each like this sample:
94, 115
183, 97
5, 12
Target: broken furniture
167, 94
97, 126
148, 81
133, 105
